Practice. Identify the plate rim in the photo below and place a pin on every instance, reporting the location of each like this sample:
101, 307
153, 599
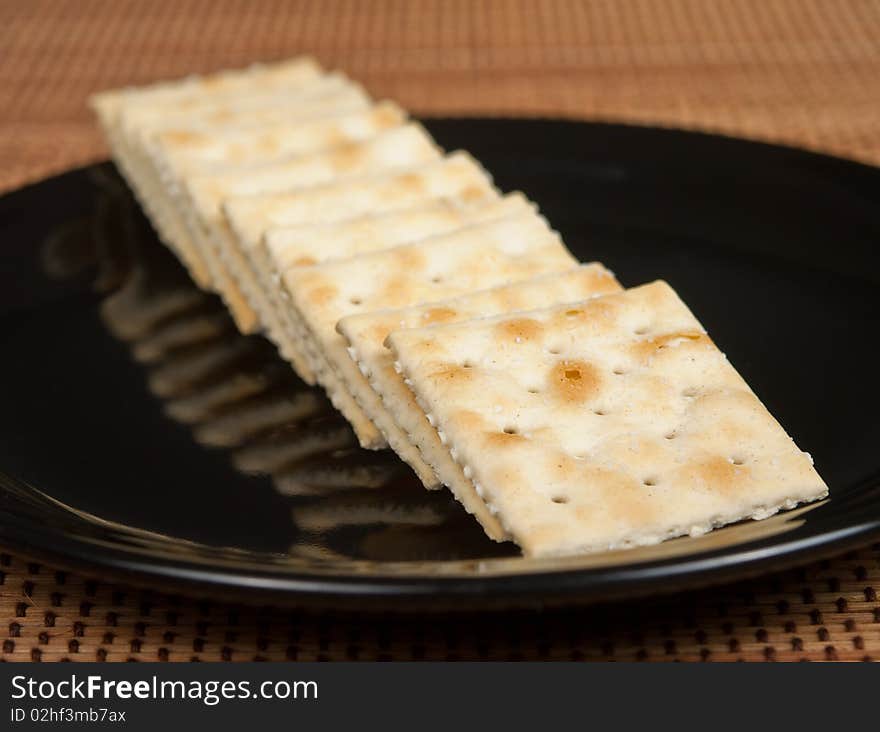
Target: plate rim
572, 586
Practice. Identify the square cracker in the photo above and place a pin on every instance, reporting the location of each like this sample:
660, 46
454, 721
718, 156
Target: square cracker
191, 91
399, 147
603, 424
506, 250
163, 160
365, 334
311, 244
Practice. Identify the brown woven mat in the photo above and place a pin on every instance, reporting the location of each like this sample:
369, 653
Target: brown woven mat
828, 611
793, 71
798, 71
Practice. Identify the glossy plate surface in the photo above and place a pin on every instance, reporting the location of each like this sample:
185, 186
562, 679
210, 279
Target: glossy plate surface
142, 437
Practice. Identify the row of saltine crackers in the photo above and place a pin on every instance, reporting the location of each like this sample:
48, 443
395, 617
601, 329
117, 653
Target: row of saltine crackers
337, 227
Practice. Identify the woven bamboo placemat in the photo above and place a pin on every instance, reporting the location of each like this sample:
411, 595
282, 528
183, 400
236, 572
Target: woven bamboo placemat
791, 71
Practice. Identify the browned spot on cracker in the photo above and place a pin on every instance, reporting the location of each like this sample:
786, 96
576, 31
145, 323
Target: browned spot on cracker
519, 329
719, 473
657, 295
600, 313
596, 280
503, 439
322, 294
472, 194
470, 421
334, 137
574, 381
411, 183
451, 372
408, 259
379, 331
560, 467
397, 292
627, 501
386, 116
347, 157
510, 301
268, 144
305, 261
224, 115
617, 497
184, 137
438, 315
647, 347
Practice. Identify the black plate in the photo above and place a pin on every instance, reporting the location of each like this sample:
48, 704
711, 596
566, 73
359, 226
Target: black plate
142, 437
